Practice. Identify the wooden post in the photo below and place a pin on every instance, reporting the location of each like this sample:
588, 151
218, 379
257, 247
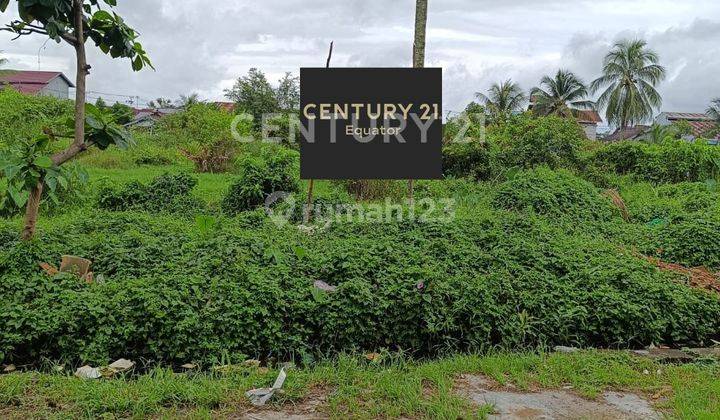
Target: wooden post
308, 209
418, 60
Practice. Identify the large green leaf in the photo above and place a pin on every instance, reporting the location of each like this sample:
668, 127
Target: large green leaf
43, 162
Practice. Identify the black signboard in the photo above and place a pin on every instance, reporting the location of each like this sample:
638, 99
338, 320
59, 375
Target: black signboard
371, 123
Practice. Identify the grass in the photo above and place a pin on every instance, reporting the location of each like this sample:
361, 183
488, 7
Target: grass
354, 387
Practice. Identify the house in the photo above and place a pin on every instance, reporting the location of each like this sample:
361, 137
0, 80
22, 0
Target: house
638, 132
589, 121
226, 106
50, 83
700, 123
147, 117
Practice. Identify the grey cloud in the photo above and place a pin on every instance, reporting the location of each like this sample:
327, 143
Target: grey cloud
203, 46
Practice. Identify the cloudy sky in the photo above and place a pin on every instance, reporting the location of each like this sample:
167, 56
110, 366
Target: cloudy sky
203, 46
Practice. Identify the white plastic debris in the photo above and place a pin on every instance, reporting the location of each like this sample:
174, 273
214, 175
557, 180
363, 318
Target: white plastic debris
260, 396
319, 284
565, 349
88, 372
189, 366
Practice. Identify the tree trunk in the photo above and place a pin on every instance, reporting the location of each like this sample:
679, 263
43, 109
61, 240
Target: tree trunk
420, 25
78, 145
31, 212
418, 60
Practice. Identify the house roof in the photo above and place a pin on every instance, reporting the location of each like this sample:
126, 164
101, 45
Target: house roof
27, 81
588, 116
701, 127
629, 133
226, 106
688, 116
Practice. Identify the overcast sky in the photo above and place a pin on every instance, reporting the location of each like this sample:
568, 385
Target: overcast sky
203, 46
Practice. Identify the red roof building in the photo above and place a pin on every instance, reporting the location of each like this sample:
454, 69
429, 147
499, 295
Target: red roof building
51, 83
700, 123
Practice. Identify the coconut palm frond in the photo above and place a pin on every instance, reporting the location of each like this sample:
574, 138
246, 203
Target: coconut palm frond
559, 95
630, 74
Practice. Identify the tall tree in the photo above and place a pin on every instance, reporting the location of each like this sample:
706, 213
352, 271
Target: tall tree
253, 94
714, 110
186, 101
562, 95
288, 93
502, 100
630, 74
161, 103
74, 22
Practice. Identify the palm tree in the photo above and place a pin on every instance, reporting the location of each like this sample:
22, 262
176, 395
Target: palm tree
563, 95
186, 101
630, 74
713, 110
502, 100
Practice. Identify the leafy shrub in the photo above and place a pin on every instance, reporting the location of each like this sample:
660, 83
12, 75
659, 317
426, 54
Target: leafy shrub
624, 156
529, 142
203, 133
474, 159
261, 176
24, 117
553, 193
175, 296
166, 193
666, 162
692, 242
677, 161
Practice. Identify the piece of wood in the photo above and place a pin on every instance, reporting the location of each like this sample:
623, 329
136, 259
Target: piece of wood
308, 208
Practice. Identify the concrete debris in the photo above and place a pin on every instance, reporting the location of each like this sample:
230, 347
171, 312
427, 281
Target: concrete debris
260, 396
251, 363
121, 365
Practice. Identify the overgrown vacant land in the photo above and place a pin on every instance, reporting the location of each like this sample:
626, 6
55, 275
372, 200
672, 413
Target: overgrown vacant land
555, 240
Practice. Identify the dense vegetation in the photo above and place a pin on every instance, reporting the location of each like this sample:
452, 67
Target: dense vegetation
188, 268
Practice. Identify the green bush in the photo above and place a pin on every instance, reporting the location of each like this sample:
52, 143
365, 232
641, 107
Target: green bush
668, 162
166, 193
203, 133
529, 142
474, 159
172, 295
623, 157
261, 176
554, 193
24, 117
692, 242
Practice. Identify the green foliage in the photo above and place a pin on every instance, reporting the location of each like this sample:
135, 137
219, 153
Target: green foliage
23, 117
29, 163
254, 95
553, 193
529, 142
173, 295
474, 159
667, 162
203, 133
261, 176
166, 193
692, 242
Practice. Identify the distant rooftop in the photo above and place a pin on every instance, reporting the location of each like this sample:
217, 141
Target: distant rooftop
27, 81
